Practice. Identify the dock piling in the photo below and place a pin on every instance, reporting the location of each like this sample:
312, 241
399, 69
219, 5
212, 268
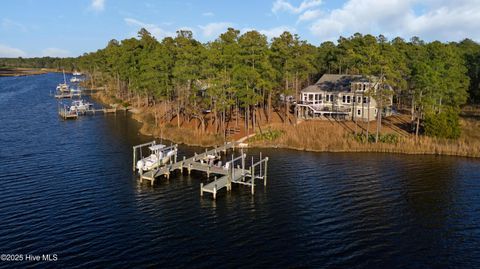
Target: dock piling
252, 177
134, 159
265, 173
261, 164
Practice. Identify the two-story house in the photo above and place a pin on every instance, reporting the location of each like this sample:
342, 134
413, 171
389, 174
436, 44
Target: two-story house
342, 97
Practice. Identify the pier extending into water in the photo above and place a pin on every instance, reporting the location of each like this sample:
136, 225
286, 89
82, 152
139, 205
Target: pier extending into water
65, 113
235, 170
63, 95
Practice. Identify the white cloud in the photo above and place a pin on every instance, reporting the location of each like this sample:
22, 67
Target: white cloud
309, 15
214, 29
56, 52
429, 19
9, 52
154, 29
284, 5
277, 31
98, 5
272, 32
452, 22
365, 16
8, 24
208, 14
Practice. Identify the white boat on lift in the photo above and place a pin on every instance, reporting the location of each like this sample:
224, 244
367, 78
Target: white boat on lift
211, 159
80, 106
76, 92
160, 155
63, 87
76, 73
75, 79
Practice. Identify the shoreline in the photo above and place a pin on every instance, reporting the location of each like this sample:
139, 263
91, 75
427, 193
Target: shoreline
23, 72
425, 145
392, 151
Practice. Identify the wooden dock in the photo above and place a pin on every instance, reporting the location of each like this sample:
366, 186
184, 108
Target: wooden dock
239, 176
67, 95
225, 176
65, 114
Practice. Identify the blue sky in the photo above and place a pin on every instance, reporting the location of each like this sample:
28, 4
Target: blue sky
31, 28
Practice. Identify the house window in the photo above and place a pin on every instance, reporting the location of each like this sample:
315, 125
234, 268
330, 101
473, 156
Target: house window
359, 99
344, 99
348, 99
364, 100
310, 97
359, 112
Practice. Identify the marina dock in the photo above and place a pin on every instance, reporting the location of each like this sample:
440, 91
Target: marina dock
233, 172
66, 114
63, 95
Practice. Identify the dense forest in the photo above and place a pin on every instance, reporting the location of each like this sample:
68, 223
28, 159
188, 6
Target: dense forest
248, 74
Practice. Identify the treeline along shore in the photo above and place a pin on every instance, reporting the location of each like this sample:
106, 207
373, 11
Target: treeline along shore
242, 83
17, 72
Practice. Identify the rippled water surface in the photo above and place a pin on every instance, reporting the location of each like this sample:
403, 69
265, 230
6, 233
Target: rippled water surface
67, 188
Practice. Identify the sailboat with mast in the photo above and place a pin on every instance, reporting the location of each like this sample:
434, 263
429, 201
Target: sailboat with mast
63, 87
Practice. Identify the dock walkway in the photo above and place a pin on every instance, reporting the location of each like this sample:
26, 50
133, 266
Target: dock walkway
226, 174
65, 114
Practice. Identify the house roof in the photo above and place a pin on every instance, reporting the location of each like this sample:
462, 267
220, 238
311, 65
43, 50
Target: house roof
335, 82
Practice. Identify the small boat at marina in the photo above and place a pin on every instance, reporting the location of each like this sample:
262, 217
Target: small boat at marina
80, 106
68, 94
160, 155
75, 92
76, 73
75, 80
211, 159
63, 87
66, 113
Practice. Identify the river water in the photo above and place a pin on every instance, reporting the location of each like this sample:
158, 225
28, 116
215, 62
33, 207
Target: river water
67, 189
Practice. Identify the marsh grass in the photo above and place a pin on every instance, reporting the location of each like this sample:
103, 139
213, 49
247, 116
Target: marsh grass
322, 136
